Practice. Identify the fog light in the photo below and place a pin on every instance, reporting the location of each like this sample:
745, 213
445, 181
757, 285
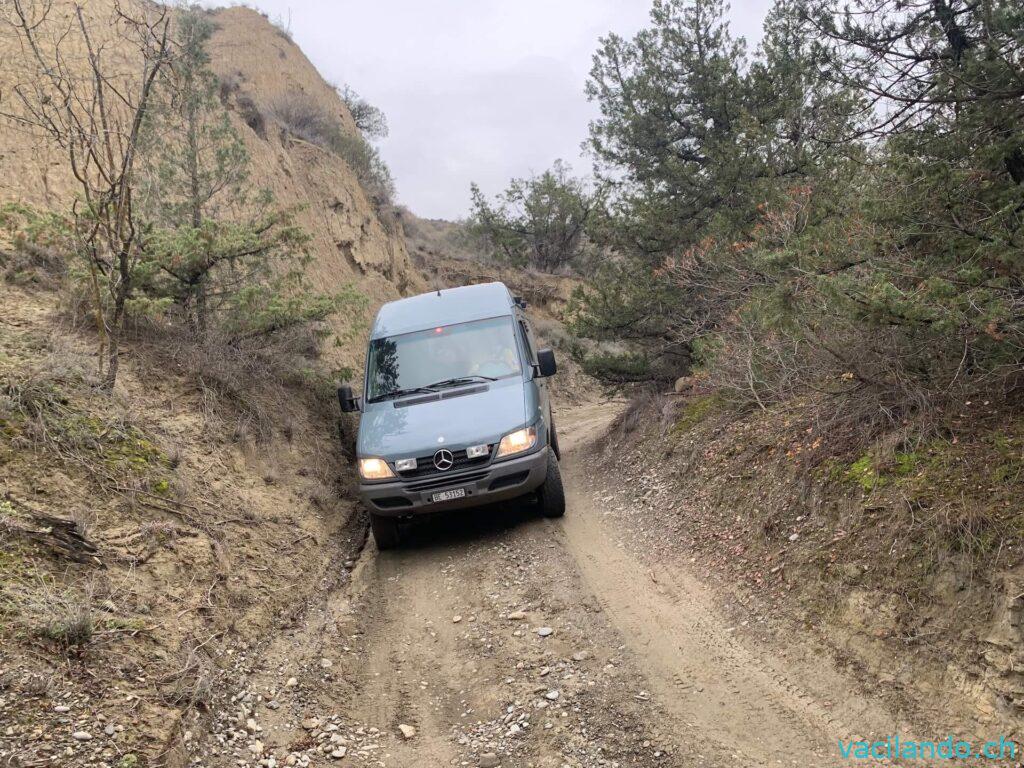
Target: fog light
476, 451
374, 469
404, 465
517, 442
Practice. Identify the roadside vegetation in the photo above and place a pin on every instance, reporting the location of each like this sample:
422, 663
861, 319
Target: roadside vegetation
160, 350
816, 247
837, 211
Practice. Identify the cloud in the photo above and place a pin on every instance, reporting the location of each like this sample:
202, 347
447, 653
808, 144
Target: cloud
478, 90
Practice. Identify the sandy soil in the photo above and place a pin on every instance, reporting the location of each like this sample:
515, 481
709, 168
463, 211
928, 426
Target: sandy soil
439, 654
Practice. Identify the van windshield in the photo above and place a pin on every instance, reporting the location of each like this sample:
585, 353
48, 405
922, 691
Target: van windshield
481, 348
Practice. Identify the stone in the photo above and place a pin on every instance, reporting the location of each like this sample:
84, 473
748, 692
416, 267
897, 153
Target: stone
456, 619
551, 695
408, 732
545, 631
291, 682
516, 616
81, 736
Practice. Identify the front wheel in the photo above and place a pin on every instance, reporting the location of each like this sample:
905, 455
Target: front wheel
551, 493
385, 531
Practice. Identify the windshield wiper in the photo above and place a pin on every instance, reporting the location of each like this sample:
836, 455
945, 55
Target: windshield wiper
402, 393
461, 380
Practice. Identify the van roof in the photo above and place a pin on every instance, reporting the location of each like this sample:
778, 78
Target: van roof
443, 307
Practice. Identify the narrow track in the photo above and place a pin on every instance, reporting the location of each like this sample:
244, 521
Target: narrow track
640, 669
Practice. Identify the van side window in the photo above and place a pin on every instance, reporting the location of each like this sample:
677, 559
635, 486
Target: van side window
526, 342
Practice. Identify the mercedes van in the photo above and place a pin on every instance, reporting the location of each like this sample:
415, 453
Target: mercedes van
455, 409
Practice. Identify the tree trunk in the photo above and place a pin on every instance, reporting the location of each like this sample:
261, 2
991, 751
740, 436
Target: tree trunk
112, 362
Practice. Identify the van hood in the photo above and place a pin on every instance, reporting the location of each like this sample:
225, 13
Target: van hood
459, 421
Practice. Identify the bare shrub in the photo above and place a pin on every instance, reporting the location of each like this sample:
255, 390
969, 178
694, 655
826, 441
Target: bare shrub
31, 265
192, 686
62, 614
553, 333
647, 405
251, 114
303, 117
252, 384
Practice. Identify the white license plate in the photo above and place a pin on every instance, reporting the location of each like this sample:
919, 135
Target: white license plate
455, 493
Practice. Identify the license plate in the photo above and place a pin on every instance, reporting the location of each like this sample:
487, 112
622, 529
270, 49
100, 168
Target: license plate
455, 493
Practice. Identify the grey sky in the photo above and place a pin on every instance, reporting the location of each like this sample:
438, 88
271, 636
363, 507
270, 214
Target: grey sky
474, 90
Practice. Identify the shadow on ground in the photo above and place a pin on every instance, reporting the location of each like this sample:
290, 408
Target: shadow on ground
486, 524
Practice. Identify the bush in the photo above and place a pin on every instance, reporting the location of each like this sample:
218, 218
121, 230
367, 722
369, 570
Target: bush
38, 241
304, 118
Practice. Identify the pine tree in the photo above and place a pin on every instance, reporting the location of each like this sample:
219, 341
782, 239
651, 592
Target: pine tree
672, 120
210, 239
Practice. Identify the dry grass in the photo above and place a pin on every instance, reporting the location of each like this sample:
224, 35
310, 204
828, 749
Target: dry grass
303, 117
29, 265
192, 686
63, 614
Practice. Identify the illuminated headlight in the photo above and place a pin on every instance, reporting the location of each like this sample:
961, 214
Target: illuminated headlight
405, 465
374, 469
517, 442
476, 451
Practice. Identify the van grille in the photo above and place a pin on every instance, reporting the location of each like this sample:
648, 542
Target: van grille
425, 464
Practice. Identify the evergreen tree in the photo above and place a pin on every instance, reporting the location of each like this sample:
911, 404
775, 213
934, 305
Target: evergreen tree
672, 126
211, 241
538, 222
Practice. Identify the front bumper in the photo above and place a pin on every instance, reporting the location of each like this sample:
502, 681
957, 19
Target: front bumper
498, 481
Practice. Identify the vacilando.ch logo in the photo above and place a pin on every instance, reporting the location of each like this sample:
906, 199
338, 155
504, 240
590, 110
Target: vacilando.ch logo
910, 749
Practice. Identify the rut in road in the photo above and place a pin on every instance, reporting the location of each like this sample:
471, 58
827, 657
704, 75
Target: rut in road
640, 669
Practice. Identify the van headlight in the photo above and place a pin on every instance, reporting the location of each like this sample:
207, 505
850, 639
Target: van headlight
374, 469
516, 442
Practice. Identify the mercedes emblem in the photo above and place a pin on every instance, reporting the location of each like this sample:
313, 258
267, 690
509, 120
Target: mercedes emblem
444, 460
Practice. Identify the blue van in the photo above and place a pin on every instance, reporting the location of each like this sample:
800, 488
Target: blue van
455, 409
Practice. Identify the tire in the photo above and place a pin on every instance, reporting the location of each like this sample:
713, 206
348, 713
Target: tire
550, 494
554, 441
385, 531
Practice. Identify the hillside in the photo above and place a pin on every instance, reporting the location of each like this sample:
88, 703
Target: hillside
258, 66
160, 546
746, 573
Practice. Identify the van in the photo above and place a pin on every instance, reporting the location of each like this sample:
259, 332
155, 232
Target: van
455, 409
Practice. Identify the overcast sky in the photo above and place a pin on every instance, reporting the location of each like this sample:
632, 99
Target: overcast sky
474, 90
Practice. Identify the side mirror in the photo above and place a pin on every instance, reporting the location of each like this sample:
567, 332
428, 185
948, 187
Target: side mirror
347, 400
546, 365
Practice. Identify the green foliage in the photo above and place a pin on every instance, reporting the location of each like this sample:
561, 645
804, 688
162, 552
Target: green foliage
616, 368
261, 310
842, 216
863, 473
538, 222
696, 410
214, 250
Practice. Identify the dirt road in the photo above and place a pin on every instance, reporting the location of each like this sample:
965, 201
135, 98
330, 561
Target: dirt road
503, 638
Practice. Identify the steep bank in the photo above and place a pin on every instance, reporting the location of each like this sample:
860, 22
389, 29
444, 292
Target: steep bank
354, 240
901, 562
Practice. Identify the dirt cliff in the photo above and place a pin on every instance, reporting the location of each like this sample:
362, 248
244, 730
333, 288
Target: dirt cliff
257, 64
